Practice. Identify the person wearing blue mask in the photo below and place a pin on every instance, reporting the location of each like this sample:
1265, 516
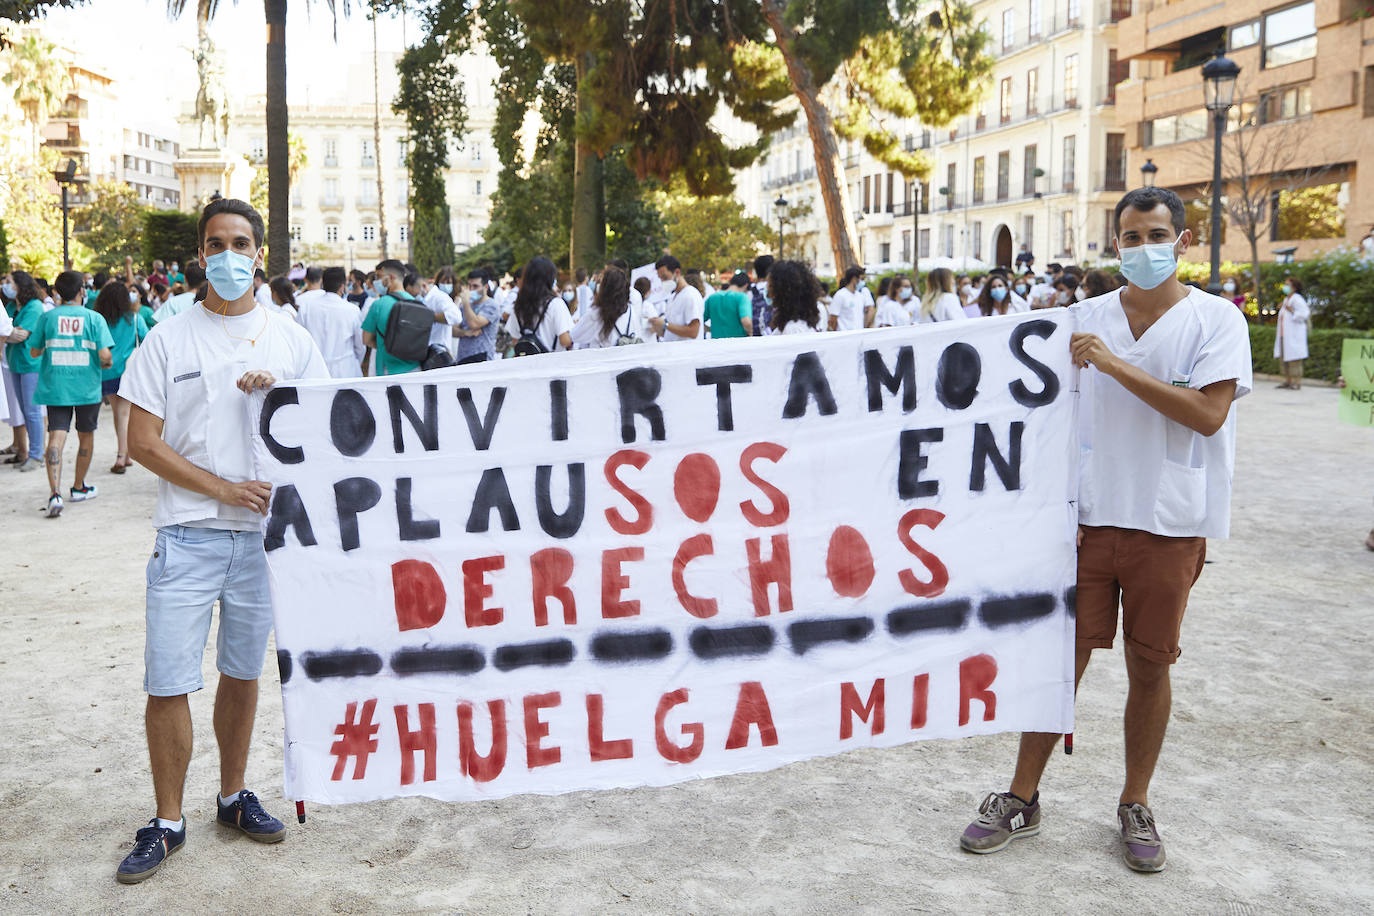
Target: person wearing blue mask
189, 425
481, 318
1162, 366
389, 287
448, 314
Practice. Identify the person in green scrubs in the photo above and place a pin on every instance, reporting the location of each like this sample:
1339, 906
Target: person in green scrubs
122, 309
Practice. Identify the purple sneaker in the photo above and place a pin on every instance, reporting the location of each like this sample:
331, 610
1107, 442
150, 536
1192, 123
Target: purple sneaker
1002, 817
1140, 843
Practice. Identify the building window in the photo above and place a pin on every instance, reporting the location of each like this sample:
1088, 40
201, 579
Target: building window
1290, 35
403, 233
887, 197
978, 186
257, 149
1117, 70
1285, 104
1066, 234
906, 245
400, 154
1109, 240
1116, 163
950, 187
369, 233
296, 233
367, 192
1311, 213
1176, 128
1032, 90
1033, 21
980, 117
1243, 35
331, 233
1071, 81
331, 153
477, 153
1069, 166
885, 252
369, 156
331, 193
1004, 175
1004, 100
978, 239
1075, 10
1008, 29
923, 245
1028, 231
1028, 170
948, 231
477, 187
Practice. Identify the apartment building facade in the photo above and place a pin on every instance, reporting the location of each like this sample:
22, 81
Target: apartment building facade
1304, 110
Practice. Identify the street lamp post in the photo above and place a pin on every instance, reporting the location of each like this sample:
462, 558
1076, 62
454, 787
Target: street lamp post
1218, 91
915, 227
780, 208
350, 254
1147, 173
65, 178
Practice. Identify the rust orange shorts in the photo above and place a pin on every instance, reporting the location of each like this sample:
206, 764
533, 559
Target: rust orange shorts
1149, 576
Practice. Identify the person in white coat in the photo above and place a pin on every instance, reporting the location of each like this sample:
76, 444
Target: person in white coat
1290, 347
335, 324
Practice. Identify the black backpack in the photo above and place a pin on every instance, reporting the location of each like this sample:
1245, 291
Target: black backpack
407, 330
529, 343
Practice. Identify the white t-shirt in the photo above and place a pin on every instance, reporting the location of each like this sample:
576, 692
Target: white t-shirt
891, 315
179, 303
947, 308
684, 307
1139, 469
185, 373
583, 300
848, 308
1018, 304
587, 333
797, 326
336, 326
557, 321
306, 295
441, 303
263, 295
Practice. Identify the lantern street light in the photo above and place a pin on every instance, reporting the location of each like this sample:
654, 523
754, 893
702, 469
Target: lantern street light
66, 177
780, 208
1218, 92
1147, 173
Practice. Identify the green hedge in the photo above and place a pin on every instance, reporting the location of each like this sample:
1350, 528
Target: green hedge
1323, 346
170, 235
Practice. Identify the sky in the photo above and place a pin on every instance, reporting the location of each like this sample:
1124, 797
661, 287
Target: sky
151, 60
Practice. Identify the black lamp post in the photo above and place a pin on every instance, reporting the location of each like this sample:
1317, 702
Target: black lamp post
350, 254
1218, 91
1147, 173
916, 226
65, 178
780, 208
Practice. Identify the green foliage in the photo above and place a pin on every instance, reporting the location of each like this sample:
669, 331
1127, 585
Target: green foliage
1311, 213
1323, 348
1339, 285
431, 238
711, 232
169, 235
110, 225
496, 256
30, 10
634, 225
33, 214
4, 249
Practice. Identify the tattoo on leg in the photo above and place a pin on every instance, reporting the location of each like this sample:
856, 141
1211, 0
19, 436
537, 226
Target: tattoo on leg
53, 456
83, 453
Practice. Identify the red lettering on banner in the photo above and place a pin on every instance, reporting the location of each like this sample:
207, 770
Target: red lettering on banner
976, 674
920, 700
870, 711
695, 731
776, 569
419, 592
849, 562
601, 749
474, 765
697, 546
751, 709
939, 575
773, 452
476, 590
644, 518
614, 581
551, 568
536, 730
696, 486
422, 741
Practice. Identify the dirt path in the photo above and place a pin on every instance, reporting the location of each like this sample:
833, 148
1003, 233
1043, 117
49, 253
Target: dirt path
1261, 793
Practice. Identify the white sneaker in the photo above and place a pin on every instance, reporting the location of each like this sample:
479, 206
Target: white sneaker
91, 492
54, 506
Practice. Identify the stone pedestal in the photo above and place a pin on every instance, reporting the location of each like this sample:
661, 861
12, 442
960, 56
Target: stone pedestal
204, 171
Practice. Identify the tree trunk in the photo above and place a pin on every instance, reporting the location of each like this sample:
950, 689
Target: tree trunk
377, 137
829, 165
1255, 271
278, 154
587, 247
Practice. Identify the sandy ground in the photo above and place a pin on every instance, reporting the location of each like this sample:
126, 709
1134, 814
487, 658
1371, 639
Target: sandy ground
1262, 794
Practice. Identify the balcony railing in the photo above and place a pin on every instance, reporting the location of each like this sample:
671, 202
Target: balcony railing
1110, 180
1052, 23
331, 162
1110, 11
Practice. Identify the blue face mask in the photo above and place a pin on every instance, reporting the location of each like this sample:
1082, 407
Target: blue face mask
230, 274
9, 291
1147, 266
998, 293
445, 288
378, 289
474, 296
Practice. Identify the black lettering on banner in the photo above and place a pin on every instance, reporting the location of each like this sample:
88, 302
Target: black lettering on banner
911, 462
957, 376
632, 647
998, 612
1071, 600
288, 511
344, 663
731, 642
438, 660
481, 430
492, 493
985, 449
1050, 382
352, 428
807, 634
352, 496
427, 429
566, 523
938, 615
284, 665
553, 652
808, 381
902, 378
638, 389
278, 397
558, 409
723, 377
411, 529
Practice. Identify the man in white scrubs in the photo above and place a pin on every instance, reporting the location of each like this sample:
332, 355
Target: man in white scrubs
1161, 367
314, 288
335, 324
189, 426
685, 310
179, 303
847, 305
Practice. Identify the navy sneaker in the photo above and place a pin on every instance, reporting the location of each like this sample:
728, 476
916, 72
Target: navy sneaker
245, 813
152, 846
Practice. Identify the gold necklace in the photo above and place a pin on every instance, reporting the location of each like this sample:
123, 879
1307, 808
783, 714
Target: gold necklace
224, 326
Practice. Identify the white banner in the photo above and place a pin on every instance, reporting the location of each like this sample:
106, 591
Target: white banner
636, 566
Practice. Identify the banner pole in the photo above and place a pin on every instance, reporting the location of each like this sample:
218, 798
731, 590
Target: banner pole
300, 812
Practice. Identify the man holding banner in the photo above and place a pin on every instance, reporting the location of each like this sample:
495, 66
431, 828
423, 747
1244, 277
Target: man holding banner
189, 426
1165, 364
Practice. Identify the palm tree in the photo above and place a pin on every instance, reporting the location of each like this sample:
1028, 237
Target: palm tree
377, 136
40, 82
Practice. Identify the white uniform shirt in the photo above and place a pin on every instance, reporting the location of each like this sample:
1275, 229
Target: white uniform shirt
583, 300
848, 308
185, 373
336, 326
1139, 469
263, 296
441, 303
587, 333
797, 326
685, 306
179, 303
1291, 341
556, 322
947, 308
891, 315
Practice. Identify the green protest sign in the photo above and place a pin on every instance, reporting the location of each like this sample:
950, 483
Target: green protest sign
1357, 397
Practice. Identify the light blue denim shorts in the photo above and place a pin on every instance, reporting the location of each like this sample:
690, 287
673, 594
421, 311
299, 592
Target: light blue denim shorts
191, 569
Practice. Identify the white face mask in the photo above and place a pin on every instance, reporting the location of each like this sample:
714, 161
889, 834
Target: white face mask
1079, 294
1229, 286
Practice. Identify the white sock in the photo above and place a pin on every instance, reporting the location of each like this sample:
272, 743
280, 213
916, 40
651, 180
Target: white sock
226, 802
177, 825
